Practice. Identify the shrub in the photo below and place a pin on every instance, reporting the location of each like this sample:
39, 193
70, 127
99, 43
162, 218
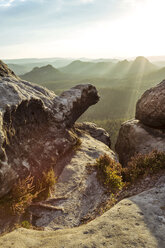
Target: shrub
142, 165
114, 177
26, 191
20, 197
109, 173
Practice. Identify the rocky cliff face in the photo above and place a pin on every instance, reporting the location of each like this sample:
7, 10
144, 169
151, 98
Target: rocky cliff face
147, 132
35, 125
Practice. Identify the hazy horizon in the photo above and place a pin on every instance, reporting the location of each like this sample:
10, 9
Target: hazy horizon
149, 57
81, 28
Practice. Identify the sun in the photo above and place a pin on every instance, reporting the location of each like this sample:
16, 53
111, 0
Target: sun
137, 31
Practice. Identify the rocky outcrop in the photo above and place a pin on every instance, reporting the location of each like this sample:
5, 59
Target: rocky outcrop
35, 125
134, 222
73, 103
150, 108
6, 72
96, 132
135, 137
78, 193
37, 131
148, 132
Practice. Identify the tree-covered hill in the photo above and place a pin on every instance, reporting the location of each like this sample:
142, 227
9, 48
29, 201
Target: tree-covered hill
44, 74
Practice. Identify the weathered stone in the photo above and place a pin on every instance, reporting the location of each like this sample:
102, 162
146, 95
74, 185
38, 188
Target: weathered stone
5, 71
34, 125
95, 131
77, 193
135, 222
150, 108
73, 103
135, 137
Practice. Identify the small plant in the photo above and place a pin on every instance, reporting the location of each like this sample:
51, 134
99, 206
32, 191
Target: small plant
109, 173
143, 165
75, 140
20, 197
26, 191
26, 224
22, 194
45, 183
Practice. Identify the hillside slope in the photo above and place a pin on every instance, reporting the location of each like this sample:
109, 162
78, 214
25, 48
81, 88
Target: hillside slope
43, 74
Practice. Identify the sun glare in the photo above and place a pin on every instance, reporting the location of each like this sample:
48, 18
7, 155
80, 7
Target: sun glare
136, 32
139, 32
134, 28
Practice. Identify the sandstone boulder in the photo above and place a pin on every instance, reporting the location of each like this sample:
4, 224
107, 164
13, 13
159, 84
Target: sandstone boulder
135, 137
96, 132
35, 125
150, 108
5, 71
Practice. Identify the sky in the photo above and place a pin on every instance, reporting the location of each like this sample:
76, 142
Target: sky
81, 28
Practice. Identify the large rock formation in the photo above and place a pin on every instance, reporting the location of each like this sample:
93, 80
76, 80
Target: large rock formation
135, 137
6, 72
37, 131
150, 108
134, 222
148, 132
35, 125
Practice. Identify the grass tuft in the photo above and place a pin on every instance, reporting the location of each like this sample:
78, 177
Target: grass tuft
26, 191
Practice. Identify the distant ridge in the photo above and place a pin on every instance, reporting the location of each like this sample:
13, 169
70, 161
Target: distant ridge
88, 68
80, 70
43, 74
141, 65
